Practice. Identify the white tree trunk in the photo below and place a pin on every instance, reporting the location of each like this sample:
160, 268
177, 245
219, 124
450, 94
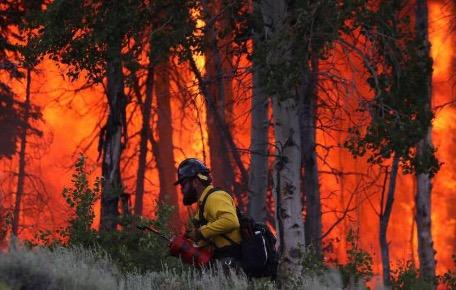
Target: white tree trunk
423, 194
287, 185
288, 143
258, 178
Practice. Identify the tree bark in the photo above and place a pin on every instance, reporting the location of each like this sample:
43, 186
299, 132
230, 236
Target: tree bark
310, 183
287, 185
146, 109
288, 144
384, 221
423, 194
219, 88
258, 178
111, 137
165, 158
221, 125
23, 146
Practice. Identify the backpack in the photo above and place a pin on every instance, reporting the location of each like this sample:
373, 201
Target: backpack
259, 256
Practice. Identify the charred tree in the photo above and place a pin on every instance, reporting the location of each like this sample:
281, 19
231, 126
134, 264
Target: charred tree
22, 151
29, 113
111, 144
400, 112
145, 134
91, 41
166, 25
165, 151
423, 201
226, 133
385, 214
10, 109
220, 91
310, 182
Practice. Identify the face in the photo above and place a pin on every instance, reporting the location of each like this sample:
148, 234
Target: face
189, 191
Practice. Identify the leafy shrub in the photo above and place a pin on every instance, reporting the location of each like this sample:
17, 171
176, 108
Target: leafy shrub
141, 258
135, 250
129, 248
358, 269
407, 277
313, 263
448, 279
81, 199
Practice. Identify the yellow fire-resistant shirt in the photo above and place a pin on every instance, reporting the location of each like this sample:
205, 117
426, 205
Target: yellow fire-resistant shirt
221, 217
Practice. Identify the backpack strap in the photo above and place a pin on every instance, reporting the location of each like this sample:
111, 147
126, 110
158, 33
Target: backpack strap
202, 221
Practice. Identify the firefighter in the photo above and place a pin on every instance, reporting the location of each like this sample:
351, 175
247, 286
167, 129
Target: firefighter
215, 223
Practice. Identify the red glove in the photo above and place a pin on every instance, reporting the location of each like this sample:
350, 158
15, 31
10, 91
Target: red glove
176, 244
184, 249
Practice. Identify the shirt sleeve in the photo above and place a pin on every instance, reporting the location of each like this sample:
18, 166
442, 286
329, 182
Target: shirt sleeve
221, 207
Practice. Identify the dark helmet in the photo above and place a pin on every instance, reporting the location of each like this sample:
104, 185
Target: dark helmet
190, 168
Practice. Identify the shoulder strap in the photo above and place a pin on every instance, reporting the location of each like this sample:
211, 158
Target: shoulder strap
202, 220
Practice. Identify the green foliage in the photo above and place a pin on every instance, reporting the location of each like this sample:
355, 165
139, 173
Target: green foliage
448, 279
358, 269
90, 36
81, 199
406, 277
400, 111
310, 29
129, 248
135, 250
313, 263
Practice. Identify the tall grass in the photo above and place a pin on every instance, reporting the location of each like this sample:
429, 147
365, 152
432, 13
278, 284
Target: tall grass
79, 268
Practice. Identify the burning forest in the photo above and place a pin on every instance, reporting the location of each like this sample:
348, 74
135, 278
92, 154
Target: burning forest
331, 122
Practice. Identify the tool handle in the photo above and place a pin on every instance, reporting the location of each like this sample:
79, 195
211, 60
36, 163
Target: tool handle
155, 231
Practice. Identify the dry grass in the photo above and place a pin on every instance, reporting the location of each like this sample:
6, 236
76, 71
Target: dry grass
77, 268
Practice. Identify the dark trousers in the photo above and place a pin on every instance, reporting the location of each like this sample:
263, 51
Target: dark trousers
229, 257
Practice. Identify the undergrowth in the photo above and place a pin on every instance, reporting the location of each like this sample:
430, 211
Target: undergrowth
79, 257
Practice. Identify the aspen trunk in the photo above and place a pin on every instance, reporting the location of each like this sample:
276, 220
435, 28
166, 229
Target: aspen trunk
288, 143
287, 186
258, 178
423, 194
